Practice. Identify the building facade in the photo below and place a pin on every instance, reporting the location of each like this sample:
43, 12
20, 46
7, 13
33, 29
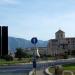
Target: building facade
3, 40
41, 50
60, 44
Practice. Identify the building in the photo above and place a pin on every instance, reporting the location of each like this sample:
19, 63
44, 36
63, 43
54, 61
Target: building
60, 44
41, 50
4, 40
0, 42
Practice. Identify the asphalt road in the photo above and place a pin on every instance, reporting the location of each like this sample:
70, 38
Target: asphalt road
40, 65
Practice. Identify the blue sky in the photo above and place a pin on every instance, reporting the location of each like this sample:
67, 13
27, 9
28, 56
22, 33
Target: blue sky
40, 18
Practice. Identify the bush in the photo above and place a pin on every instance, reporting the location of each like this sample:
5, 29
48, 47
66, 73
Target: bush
65, 56
19, 53
8, 58
58, 70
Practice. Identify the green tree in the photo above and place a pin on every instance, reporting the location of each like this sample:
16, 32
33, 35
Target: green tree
65, 55
73, 52
19, 53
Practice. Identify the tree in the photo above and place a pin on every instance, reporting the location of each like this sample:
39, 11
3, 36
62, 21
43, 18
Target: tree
19, 53
65, 55
73, 52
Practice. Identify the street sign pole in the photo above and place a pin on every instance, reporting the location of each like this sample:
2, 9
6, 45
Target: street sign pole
34, 41
34, 59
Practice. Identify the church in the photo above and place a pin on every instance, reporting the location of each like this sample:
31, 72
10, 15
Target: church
60, 44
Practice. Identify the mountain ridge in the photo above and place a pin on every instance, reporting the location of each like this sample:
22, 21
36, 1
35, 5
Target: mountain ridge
14, 43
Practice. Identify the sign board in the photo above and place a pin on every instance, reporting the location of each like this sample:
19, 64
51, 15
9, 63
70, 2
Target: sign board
34, 40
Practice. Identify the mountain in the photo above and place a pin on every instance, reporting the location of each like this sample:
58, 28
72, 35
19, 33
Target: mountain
14, 43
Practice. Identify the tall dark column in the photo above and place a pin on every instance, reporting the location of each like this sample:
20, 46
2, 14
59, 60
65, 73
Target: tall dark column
4, 40
0, 42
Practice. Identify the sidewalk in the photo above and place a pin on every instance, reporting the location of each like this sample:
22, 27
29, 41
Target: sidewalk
40, 72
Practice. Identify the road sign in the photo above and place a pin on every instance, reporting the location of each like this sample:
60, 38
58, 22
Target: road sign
34, 40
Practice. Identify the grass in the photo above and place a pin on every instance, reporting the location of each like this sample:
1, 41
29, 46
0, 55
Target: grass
70, 67
15, 61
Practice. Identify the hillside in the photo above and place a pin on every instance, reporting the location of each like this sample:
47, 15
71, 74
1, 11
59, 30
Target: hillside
14, 43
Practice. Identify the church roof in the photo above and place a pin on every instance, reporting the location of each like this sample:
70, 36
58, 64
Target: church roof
59, 31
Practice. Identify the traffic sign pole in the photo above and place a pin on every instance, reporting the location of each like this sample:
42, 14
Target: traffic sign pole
34, 41
34, 59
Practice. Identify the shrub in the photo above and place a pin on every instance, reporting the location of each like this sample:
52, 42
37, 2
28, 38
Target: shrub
8, 58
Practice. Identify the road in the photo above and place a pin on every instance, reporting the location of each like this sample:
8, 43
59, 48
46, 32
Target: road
40, 65
16, 68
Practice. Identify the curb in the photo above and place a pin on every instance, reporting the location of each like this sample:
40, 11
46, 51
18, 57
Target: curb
68, 72
31, 72
47, 71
